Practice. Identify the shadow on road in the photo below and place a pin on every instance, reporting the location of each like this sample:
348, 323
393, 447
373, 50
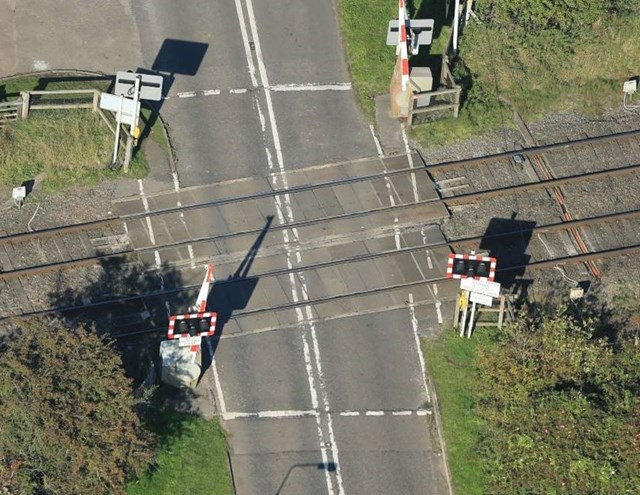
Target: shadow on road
232, 295
330, 467
175, 57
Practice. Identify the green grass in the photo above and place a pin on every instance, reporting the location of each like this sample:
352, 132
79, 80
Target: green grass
191, 460
450, 363
10, 87
500, 69
68, 147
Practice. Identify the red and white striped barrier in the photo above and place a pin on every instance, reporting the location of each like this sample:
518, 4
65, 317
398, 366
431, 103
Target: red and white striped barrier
402, 43
472, 257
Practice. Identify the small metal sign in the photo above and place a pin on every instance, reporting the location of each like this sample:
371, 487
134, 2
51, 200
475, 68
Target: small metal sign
150, 85
476, 297
112, 103
485, 287
189, 341
422, 27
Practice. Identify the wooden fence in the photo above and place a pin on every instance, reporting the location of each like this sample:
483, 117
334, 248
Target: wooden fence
33, 101
10, 111
445, 99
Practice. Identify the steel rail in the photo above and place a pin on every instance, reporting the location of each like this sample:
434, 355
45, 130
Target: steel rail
347, 180
534, 186
91, 261
580, 258
437, 167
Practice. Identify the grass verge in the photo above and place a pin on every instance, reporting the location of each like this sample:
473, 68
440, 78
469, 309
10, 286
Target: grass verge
501, 68
191, 459
450, 363
68, 147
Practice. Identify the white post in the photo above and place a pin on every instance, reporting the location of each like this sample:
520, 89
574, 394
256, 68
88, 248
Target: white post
134, 124
473, 315
467, 11
118, 124
456, 21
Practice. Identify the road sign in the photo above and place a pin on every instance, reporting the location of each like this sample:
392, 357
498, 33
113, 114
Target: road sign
491, 289
422, 27
150, 85
483, 299
189, 341
112, 103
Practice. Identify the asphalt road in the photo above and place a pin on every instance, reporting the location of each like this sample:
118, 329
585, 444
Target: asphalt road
318, 398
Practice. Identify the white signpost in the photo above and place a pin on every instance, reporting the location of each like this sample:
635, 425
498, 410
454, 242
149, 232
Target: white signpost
480, 292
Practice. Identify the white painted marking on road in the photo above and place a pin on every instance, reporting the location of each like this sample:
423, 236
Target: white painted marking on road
376, 140
396, 231
279, 158
176, 181
311, 87
414, 326
186, 94
245, 43
438, 303
152, 237
237, 91
211, 92
191, 256
423, 231
410, 160
287, 414
216, 380
40, 65
229, 416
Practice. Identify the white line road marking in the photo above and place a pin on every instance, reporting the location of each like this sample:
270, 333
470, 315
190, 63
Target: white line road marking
176, 181
287, 414
152, 236
281, 88
279, 158
410, 160
377, 141
191, 256
216, 379
414, 326
311, 87
438, 303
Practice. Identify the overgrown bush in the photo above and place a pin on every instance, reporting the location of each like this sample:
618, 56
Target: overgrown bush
70, 420
560, 398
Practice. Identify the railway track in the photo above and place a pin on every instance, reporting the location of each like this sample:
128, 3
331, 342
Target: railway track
412, 250
129, 254
407, 207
